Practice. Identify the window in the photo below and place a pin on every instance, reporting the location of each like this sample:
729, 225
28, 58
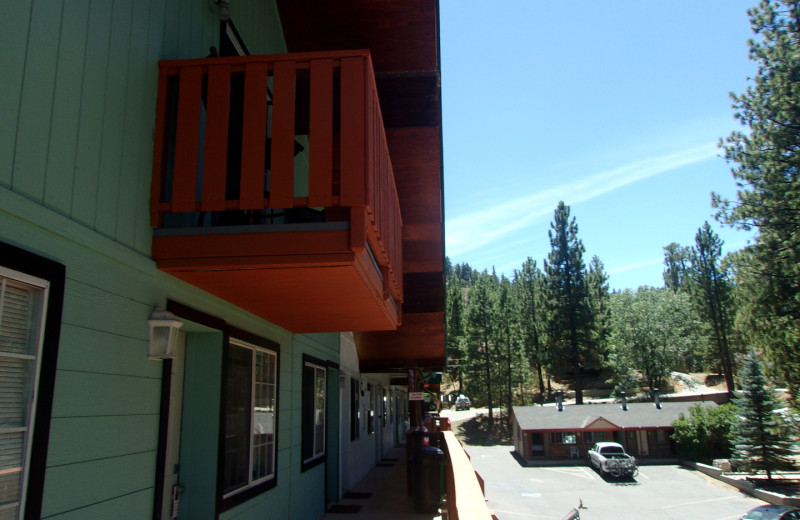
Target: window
22, 310
563, 438
314, 385
355, 409
593, 437
250, 419
661, 437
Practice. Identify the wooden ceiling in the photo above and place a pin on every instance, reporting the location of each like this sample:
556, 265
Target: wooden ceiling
403, 39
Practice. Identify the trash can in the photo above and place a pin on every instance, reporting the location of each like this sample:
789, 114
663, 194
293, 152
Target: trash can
416, 438
428, 474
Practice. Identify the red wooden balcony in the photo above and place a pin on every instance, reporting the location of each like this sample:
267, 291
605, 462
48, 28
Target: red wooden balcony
273, 188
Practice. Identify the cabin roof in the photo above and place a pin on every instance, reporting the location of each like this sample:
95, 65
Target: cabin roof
603, 416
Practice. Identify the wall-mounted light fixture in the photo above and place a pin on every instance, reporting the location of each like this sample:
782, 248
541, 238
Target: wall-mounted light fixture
224, 10
163, 334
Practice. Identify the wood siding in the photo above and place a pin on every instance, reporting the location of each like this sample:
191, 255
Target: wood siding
77, 116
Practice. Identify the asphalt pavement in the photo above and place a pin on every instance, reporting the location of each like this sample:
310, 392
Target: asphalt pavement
460, 415
516, 492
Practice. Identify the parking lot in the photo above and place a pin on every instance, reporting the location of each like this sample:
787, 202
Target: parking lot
515, 492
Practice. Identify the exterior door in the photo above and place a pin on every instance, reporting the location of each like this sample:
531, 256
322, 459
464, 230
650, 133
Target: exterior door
171, 492
644, 446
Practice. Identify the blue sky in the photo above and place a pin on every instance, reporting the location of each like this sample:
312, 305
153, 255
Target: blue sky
615, 107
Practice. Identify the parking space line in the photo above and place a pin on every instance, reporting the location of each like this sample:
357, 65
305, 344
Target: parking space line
575, 471
696, 502
525, 515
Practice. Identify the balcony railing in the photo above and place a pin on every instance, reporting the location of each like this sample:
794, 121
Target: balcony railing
243, 139
463, 485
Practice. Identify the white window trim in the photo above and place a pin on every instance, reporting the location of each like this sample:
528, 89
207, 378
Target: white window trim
313, 427
44, 285
253, 483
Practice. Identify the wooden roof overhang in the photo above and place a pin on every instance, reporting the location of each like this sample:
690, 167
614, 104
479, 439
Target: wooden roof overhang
403, 39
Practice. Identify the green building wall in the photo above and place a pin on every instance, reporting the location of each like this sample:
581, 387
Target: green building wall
76, 140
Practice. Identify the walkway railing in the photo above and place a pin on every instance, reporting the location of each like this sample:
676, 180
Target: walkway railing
464, 487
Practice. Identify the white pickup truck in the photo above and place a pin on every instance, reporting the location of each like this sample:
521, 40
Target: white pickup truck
610, 459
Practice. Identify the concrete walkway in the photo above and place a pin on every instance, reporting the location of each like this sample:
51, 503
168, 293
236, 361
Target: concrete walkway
380, 495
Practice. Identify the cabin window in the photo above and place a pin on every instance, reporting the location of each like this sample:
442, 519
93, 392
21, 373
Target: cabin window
661, 437
22, 311
594, 437
250, 418
564, 438
314, 398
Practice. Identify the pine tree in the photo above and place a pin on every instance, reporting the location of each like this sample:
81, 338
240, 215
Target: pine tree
454, 319
530, 281
676, 260
479, 332
505, 318
761, 442
597, 282
767, 170
570, 320
711, 291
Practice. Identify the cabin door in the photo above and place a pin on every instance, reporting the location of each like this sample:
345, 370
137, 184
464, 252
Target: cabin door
644, 447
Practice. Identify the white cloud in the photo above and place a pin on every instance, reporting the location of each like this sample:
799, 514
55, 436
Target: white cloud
638, 265
478, 230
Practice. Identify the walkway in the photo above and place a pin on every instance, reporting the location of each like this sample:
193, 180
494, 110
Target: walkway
380, 495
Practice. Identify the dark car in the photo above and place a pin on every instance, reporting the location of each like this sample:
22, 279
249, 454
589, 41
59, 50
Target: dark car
773, 513
463, 403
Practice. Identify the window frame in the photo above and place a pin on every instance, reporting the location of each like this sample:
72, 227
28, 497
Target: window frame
241, 339
590, 437
370, 412
31, 373
558, 438
355, 409
31, 266
309, 455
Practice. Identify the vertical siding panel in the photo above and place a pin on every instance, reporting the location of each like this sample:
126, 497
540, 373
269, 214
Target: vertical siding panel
353, 138
135, 119
158, 176
320, 134
38, 84
281, 189
259, 25
171, 30
108, 191
193, 23
154, 46
12, 63
182, 26
254, 135
90, 127
66, 107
